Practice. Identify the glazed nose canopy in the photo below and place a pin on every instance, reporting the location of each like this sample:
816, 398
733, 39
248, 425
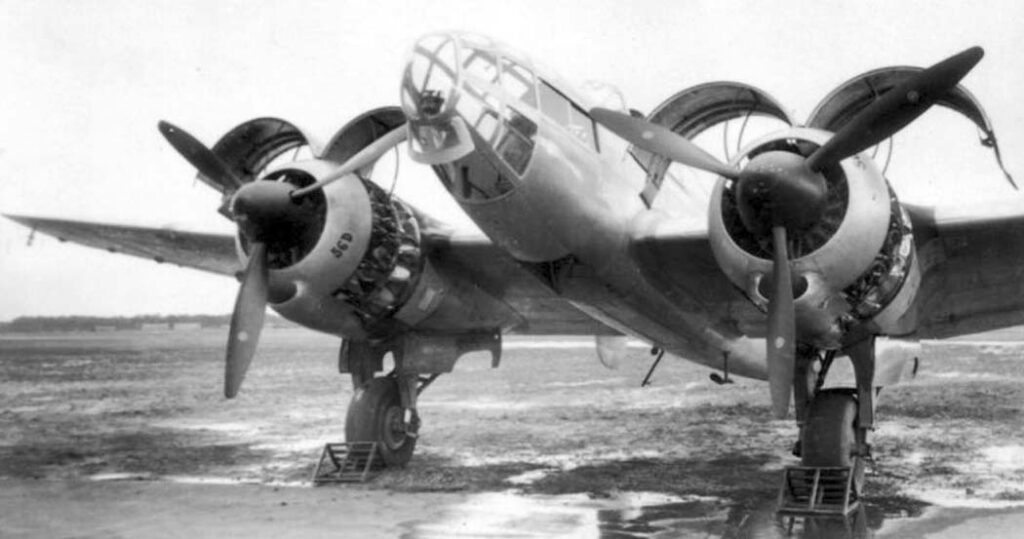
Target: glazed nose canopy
266, 212
429, 95
429, 81
778, 189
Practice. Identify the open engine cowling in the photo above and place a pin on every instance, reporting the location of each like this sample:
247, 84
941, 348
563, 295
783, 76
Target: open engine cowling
855, 264
355, 258
353, 262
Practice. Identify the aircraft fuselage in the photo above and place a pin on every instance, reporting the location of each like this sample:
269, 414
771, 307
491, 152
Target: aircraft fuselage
527, 163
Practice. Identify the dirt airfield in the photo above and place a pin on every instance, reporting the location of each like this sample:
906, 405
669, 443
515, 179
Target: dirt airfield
128, 435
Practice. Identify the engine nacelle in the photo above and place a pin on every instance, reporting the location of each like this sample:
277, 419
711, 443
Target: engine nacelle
306, 270
355, 266
853, 265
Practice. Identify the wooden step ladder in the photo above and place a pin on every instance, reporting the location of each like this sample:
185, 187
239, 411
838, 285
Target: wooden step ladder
349, 462
818, 491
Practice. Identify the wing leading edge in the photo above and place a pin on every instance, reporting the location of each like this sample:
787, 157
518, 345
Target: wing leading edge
214, 253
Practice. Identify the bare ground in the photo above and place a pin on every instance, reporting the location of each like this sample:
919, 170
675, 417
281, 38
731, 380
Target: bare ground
77, 408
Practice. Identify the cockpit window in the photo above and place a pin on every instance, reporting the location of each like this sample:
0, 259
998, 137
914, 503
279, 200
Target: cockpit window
566, 113
516, 146
480, 64
553, 104
480, 109
518, 82
581, 125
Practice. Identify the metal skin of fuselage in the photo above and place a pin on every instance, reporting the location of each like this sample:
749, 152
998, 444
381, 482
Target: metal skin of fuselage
580, 204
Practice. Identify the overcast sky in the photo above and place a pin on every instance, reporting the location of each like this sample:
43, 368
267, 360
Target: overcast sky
86, 82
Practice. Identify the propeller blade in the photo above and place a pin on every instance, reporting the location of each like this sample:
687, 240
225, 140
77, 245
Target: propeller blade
895, 109
199, 155
662, 141
247, 320
364, 157
781, 327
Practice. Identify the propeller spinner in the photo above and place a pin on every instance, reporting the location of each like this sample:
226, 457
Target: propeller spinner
781, 192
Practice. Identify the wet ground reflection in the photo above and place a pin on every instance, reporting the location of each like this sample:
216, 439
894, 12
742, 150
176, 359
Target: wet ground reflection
648, 515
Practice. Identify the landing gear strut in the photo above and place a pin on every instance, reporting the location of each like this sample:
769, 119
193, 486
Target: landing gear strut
383, 408
834, 425
375, 414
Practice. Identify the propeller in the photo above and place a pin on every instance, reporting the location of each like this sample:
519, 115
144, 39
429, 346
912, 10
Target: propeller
199, 155
781, 326
267, 213
782, 192
662, 141
364, 157
246, 320
896, 108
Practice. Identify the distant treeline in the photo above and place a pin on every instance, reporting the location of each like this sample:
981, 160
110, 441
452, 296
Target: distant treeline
30, 324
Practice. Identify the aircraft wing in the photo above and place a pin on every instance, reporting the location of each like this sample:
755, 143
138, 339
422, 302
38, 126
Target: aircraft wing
474, 259
469, 259
972, 265
214, 253
972, 262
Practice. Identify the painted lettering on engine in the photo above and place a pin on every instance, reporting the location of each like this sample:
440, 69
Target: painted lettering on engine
342, 245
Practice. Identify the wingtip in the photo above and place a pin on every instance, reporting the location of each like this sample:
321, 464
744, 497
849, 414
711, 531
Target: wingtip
20, 219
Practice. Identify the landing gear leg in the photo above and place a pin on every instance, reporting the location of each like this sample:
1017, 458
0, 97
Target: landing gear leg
862, 354
837, 421
806, 385
382, 409
375, 414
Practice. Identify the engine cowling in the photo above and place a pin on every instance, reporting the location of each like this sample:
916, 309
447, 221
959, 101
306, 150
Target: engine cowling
354, 263
854, 264
354, 266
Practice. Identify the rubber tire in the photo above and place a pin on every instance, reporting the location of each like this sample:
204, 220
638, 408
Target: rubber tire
829, 433
373, 405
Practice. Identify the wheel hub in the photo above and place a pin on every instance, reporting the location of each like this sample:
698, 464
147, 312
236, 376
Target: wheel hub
394, 433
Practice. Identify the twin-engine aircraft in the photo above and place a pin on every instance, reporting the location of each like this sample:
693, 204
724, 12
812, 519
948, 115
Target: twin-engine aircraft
807, 256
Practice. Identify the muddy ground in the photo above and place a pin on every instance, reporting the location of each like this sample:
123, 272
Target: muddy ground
549, 438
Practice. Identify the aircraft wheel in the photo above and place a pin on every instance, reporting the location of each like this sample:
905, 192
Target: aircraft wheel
829, 435
375, 414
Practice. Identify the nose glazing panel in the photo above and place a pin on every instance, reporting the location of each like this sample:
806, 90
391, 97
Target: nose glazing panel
428, 100
430, 77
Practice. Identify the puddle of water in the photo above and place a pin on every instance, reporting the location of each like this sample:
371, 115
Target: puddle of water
961, 498
506, 514
648, 515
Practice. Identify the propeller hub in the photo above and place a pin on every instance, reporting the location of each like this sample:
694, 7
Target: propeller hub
265, 211
778, 189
